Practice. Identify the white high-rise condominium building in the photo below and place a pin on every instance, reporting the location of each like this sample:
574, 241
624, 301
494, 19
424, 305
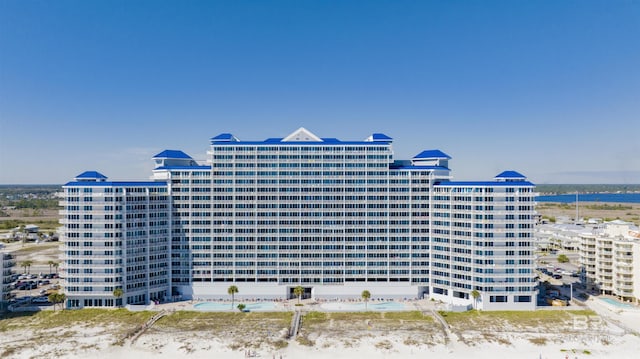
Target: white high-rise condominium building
335, 217
116, 235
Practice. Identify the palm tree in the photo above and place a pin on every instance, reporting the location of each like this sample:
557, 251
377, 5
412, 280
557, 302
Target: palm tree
232, 291
118, 293
298, 292
26, 265
57, 298
366, 295
475, 294
51, 263
241, 307
56, 265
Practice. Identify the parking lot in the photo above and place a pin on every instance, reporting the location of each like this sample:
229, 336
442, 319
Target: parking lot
559, 282
32, 289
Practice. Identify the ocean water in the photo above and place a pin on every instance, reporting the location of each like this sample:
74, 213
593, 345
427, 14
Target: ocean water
592, 197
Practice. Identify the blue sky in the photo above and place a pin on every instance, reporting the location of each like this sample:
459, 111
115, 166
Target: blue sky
548, 88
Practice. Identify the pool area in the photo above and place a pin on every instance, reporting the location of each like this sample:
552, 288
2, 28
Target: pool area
226, 306
357, 307
617, 304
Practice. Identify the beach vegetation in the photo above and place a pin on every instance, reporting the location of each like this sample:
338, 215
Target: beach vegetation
298, 292
303, 340
366, 295
563, 258
241, 307
57, 298
89, 317
279, 344
118, 293
315, 317
608, 207
538, 341
413, 315
384, 345
232, 290
26, 265
475, 294
497, 320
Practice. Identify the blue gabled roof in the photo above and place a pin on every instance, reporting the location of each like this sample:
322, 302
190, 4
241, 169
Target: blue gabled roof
91, 175
431, 154
511, 175
224, 137
173, 154
380, 137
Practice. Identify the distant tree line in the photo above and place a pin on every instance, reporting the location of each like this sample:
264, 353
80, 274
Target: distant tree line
29, 196
586, 188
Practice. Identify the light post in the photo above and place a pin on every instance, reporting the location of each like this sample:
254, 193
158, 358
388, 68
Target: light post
570, 292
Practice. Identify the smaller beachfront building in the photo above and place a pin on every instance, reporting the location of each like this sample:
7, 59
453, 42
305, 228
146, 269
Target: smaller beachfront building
610, 260
115, 236
7, 262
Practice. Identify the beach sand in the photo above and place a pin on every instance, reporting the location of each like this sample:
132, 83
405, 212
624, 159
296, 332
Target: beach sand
613, 333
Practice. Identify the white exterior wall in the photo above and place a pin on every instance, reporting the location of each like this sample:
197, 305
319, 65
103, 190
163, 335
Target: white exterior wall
636, 271
609, 256
114, 236
7, 262
482, 239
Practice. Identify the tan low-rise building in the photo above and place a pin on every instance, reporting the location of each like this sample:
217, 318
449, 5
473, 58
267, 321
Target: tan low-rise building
610, 259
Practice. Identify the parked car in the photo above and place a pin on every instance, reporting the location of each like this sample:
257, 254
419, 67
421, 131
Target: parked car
40, 300
557, 276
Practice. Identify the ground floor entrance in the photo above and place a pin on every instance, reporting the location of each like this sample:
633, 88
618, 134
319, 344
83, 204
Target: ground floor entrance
306, 294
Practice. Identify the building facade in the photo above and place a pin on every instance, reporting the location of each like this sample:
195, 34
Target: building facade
610, 257
335, 217
7, 264
116, 235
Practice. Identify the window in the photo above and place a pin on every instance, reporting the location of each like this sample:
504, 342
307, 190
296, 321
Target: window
498, 299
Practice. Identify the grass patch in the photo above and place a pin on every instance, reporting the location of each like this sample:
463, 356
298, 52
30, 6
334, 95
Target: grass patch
8, 351
63, 319
213, 321
279, 344
538, 341
499, 320
357, 316
608, 207
315, 318
414, 315
384, 345
303, 340
31, 248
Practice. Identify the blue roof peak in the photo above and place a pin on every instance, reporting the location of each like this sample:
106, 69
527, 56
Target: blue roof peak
173, 154
379, 137
431, 154
224, 137
510, 175
90, 175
